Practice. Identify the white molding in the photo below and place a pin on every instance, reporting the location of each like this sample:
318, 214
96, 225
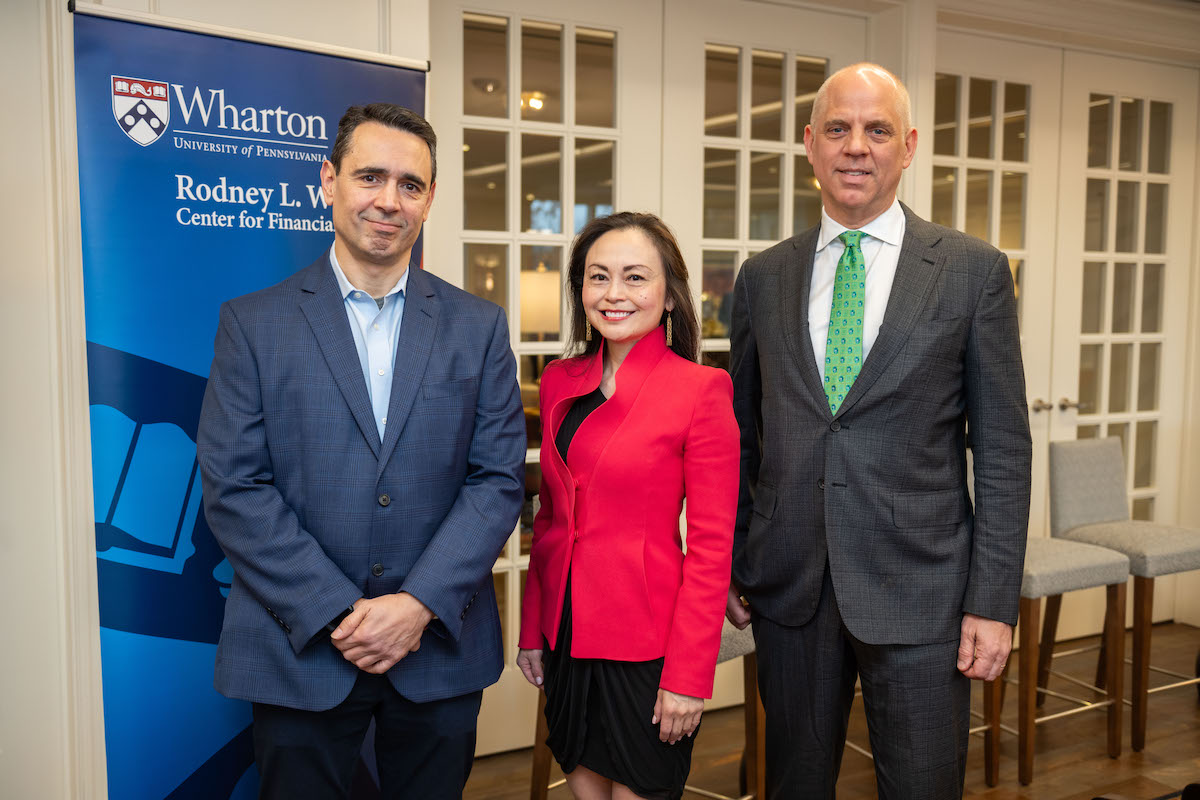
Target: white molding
73, 520
383, 8
73, 517
1156, 30
855, 8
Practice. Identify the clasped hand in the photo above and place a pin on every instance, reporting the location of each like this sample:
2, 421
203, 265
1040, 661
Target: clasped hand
381, 631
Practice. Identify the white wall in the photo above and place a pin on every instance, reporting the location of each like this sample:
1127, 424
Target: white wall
33, 693
51, 729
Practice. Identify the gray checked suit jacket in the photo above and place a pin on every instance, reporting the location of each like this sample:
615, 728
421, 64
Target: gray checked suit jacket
879, 490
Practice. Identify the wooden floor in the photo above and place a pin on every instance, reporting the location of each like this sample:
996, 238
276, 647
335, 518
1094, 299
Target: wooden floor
1070, 763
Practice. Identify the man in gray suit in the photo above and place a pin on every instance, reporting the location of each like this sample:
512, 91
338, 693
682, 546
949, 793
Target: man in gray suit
863, 351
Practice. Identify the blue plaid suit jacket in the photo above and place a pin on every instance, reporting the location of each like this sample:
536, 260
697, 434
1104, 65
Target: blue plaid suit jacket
314, 511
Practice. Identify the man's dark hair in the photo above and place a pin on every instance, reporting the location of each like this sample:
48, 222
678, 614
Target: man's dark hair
394, 116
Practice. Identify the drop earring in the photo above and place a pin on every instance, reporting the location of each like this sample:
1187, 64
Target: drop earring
668, 329
587, 328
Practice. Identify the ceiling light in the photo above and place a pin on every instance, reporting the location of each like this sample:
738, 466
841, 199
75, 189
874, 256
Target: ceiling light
487, 85
533, 99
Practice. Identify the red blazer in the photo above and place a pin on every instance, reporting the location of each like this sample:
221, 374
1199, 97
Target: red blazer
612, 518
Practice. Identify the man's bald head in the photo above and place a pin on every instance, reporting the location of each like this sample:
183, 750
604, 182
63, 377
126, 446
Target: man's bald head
871, 73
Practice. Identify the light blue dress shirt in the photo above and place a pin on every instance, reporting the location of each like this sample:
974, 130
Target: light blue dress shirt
376, 331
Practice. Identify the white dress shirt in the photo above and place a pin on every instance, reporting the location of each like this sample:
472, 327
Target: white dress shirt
376, 331
881, 252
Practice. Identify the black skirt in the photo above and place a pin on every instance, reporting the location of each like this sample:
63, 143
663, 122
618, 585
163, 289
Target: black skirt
598, 713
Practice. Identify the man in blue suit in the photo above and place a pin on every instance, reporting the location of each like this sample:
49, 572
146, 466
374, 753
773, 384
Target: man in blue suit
362, 445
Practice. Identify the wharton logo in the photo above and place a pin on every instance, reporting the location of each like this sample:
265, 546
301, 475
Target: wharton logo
141, 107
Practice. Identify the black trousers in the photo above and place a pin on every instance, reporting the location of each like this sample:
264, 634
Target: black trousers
918, 708
423, 750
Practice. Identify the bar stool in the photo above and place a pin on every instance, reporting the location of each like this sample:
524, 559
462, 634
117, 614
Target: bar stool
1054, 567
1088, 504
753, 776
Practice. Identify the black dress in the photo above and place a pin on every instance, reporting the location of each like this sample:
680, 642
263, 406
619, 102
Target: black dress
598, 711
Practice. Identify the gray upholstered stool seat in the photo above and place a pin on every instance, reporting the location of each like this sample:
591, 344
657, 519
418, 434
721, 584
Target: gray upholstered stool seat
1154, 549
734, 643
1057, 566
1089, 503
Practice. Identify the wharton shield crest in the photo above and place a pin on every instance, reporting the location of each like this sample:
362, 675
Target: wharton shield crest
141, 107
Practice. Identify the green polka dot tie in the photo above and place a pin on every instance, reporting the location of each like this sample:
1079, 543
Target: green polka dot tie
843, 348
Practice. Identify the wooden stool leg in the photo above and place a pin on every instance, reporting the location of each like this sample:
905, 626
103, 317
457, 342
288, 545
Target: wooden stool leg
993, 705
1027, 690
1114, 667
1143, 604
755, 754
1046, 653
539, 780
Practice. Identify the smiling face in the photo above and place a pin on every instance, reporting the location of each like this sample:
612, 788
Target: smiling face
858, 147
624, 286
380, 196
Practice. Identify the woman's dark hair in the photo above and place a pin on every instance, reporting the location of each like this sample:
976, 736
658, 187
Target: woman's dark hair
685, 333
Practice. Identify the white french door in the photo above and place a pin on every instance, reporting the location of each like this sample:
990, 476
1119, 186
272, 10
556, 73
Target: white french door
1127, 166
547, 116
1079, 167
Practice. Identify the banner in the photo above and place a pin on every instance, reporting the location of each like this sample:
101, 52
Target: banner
198, 170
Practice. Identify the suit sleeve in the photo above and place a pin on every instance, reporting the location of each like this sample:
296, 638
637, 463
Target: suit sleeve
710, 474
460, 556
531, 637
998, 425
747, 408
279, 562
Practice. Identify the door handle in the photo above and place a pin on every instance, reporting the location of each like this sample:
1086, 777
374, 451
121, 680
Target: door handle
1064, 404
1040, 405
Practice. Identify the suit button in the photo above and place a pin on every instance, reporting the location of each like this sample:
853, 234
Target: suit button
821, 484
377, 570
835, 426
384, 500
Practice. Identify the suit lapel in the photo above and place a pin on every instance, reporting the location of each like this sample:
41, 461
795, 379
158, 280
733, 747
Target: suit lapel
325, 310
795, 285
417, 332
595, 432
916, 275
577, 384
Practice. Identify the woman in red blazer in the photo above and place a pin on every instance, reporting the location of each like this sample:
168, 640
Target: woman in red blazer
621, 626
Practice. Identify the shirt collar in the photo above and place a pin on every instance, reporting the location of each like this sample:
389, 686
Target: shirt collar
346, 287
887, 227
